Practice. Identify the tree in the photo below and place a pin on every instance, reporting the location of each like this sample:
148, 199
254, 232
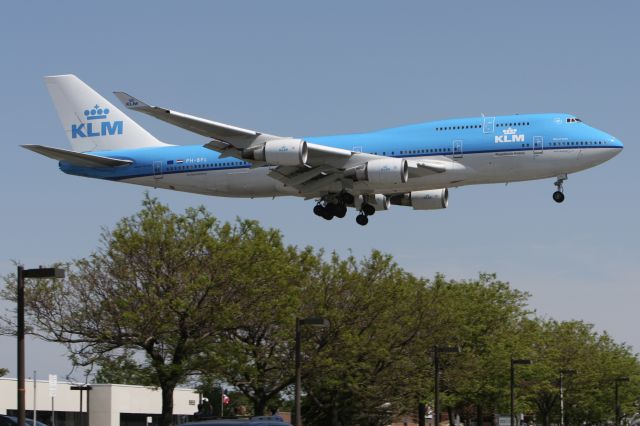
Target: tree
483, 316
3, 372
158, 286
370, 358
168, 298
573, 345
257, 350
123, 369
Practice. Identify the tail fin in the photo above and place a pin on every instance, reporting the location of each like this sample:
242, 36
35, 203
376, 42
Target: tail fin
91, 122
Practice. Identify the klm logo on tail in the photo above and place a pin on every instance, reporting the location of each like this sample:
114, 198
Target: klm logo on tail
92, 129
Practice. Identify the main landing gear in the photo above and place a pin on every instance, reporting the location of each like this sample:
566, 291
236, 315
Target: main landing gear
362, 219
336, 206
330, 210
558, 196
365, 211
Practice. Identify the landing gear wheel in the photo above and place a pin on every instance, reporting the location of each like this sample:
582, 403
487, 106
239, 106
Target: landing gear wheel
558, 197
341, 211
362, 219
318, 210
368, 209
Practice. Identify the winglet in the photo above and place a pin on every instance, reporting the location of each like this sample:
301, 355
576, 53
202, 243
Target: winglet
130, 102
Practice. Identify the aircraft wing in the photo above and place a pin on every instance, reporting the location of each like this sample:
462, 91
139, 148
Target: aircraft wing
77, 158
232, 135
323, 165
232, 141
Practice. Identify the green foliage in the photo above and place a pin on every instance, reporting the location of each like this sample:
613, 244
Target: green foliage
173, 298
123, 369
3, 372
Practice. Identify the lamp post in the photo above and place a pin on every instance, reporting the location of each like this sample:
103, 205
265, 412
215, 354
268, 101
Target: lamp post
436, 365
617, 382
563, 372
314, 322
21, 275
515, 362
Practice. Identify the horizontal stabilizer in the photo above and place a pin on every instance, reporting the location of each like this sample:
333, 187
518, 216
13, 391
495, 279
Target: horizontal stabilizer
77, 158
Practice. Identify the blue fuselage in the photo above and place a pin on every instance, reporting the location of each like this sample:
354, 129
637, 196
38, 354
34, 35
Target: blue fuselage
492, 149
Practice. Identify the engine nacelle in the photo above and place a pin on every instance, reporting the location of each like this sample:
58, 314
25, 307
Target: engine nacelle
430, 199
386, 171
280, 152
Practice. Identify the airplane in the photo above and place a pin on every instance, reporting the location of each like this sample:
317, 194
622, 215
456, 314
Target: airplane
413, 165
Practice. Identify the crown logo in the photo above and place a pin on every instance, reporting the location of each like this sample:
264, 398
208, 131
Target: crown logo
96, 113
510, 131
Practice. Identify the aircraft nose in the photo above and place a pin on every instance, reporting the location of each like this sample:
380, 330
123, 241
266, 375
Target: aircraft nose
617, 143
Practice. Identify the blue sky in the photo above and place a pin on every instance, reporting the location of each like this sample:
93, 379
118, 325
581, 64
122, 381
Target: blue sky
302, 68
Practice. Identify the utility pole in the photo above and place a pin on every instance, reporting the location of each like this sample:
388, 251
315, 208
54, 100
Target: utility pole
563, 372
21, 275
515, 362
617, 382
314, 322
35, 410
436, 364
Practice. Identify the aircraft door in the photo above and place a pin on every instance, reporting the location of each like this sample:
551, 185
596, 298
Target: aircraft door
157, 169
457, 148
488, 124
538, 144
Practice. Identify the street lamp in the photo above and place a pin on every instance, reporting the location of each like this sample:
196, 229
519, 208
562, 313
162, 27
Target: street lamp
617, 382
515, 362
563, 372
314, 322
436, 364
22, 274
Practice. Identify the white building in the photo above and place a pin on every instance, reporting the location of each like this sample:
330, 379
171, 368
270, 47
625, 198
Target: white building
108, 405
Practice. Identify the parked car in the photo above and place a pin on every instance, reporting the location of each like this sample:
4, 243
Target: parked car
13, 421
253, 421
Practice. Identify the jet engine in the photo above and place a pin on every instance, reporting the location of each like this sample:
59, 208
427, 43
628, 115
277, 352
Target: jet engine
385, 171
429, 199
280, 152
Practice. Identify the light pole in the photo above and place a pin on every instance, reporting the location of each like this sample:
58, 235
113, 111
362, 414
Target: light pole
21, 275
617, 382
563, 372
515, 362
436, 365
315, 322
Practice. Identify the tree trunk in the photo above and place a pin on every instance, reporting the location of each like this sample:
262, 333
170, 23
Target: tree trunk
166, 418
479, 421
259, 404
334, 413
450, 413
334, 408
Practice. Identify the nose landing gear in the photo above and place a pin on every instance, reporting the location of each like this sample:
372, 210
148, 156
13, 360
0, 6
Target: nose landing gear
558, 196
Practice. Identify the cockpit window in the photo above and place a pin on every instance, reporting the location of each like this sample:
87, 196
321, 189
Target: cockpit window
574, 120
